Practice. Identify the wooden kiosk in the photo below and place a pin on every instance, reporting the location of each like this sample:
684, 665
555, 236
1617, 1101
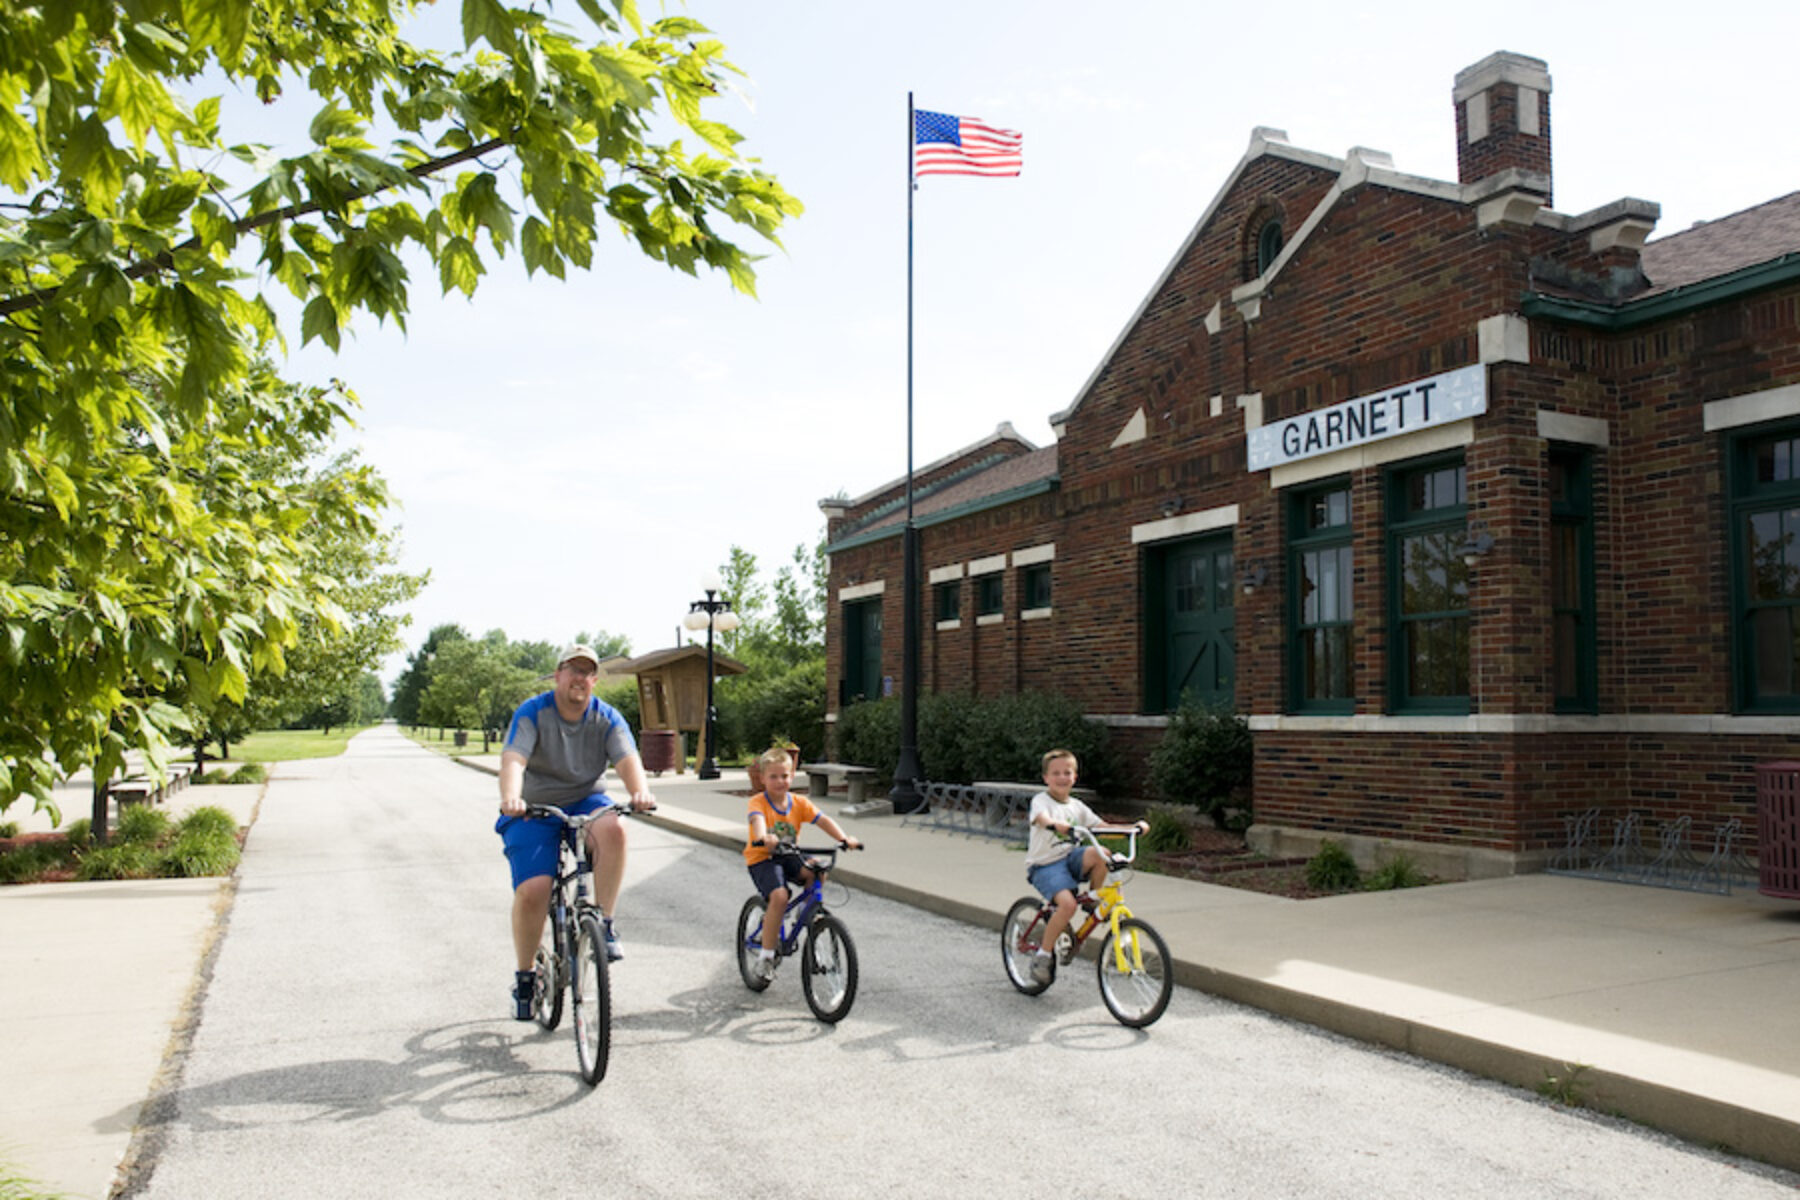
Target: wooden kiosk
672, 698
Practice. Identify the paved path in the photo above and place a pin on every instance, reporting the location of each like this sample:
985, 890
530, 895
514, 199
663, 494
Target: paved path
1680, 1006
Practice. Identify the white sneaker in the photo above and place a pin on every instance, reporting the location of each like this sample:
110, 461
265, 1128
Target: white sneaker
1040, 969
765, 968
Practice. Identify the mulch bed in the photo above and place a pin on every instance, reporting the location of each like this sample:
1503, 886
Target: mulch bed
1221, 857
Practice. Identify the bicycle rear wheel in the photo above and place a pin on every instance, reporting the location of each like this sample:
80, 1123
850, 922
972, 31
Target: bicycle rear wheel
590, 999
749, 941
828, 969
1019, 937
1135, 979
547, 994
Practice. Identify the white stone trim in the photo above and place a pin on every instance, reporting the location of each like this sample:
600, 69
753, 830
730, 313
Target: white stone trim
862, 590
943, 625
946, 574
1528, 110
991, 619
1696, 724
1477, 106
1504, 337
1752, 408
988, 565
1031, 555
1136, 430
1034, 614
1215, 318
1223, 517
1555, 426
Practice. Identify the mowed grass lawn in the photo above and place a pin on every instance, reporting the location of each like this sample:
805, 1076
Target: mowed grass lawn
284, 745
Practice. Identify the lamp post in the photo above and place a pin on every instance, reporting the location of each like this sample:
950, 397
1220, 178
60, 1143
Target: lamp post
709, 614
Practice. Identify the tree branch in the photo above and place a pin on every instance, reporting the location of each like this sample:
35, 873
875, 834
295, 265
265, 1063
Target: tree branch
166, 260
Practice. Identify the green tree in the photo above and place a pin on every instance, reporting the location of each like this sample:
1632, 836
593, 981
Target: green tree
140, 554
409, 689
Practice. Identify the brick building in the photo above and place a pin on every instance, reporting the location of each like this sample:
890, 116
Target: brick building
1481, 512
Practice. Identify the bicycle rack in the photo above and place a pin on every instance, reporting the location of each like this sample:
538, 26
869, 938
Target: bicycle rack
1673, 864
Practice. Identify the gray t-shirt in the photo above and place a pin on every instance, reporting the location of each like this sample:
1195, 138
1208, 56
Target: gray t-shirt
564, 760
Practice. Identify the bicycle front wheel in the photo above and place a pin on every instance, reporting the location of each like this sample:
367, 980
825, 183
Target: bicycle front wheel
749, 941
1135, 977
590, 999
1020, 934
828, 969
547, 991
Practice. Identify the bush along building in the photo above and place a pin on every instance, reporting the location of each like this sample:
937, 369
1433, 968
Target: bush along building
1482, 513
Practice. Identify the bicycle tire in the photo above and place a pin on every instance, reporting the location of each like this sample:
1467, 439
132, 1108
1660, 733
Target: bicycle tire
749, 938
828, 969
547, 990
590, 999
1136, 996
1019, 935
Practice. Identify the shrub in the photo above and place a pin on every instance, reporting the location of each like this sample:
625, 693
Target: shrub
1332, 869
141, 823
118, 860
964, 738
210, 821
1399, 871
9, 829
26, 863
80, 833
200, 851
791, 705
250, 773
1168, 833
1204, 761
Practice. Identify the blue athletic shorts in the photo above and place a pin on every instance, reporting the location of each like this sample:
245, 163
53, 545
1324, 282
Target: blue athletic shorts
1062, 875
532, 845
772, 873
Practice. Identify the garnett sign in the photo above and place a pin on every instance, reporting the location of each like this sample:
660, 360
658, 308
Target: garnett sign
1438, 400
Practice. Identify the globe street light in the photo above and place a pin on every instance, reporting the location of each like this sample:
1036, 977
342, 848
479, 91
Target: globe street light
709, 614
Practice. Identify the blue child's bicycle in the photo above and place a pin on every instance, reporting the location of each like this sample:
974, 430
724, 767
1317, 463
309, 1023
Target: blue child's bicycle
827, 955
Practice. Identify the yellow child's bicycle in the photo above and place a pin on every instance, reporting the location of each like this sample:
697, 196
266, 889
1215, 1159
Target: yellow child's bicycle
1135, 978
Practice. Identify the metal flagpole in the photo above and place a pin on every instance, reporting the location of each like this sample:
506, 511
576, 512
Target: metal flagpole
905, 794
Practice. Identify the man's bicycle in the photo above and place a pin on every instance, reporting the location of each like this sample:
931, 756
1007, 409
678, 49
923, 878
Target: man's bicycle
573, 955
1135, 979
827, 955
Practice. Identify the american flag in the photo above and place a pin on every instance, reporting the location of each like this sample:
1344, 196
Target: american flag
947, 145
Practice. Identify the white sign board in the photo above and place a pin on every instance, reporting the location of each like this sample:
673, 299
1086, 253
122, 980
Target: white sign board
1439, 400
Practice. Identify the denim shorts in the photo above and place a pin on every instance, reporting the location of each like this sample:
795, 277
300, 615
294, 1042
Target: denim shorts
532, 845
772, 873
1062, 875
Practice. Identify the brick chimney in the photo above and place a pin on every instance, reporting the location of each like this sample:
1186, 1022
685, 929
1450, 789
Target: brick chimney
1503, 118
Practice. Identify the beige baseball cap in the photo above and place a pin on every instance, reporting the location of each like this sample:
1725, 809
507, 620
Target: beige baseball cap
577, 650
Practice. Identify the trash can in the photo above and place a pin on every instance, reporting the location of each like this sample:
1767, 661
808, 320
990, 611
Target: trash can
1778, 829
659, 748
461, 738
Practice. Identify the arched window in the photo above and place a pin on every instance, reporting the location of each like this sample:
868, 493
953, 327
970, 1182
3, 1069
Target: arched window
1268, 245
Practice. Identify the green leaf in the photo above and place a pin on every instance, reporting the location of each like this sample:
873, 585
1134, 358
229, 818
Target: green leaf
490, 20
139, 102
459, 266
320, 320
20, 161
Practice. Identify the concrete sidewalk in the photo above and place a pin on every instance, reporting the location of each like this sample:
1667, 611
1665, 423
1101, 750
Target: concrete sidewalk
1676, 1009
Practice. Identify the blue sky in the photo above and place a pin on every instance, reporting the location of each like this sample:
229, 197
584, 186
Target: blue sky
576, 455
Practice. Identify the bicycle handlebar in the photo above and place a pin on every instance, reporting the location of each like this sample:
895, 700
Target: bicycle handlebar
1092, 834
578, 820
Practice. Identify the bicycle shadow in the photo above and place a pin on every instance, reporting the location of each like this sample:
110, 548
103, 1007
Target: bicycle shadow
470, 1073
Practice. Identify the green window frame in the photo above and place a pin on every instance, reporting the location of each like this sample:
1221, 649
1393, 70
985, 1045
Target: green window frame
1034, 587
1764, 485
1268, 246
946, 600
1320, 604
1574, 670
990, 594
1428, 588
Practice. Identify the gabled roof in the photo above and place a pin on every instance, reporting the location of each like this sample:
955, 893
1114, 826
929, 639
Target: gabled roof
1714, 248
987, 485
722, 665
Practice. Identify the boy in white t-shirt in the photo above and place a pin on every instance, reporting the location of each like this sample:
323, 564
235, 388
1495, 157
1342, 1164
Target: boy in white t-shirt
1052, 865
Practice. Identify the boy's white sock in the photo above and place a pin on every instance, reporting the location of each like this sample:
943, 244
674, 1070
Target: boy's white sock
763, 952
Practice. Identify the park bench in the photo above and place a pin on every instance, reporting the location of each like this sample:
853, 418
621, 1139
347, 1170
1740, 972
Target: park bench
819, 777
983, 809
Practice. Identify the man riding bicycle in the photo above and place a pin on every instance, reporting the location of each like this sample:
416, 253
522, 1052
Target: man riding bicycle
557, 750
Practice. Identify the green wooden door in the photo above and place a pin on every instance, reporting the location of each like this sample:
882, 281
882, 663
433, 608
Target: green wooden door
1197, 623
862, 651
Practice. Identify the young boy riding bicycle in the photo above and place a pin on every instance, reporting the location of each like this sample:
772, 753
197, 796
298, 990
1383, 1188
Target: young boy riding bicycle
1052, 866
776, 815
